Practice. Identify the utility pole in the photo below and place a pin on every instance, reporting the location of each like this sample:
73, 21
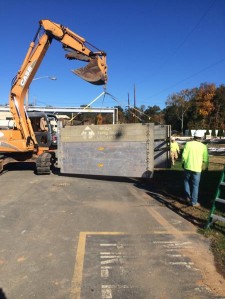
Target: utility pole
134, 97
134, 115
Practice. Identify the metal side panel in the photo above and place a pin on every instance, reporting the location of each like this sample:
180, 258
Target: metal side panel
162, 146
115, 150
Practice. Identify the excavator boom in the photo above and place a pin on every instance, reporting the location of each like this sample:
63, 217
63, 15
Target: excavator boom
21, 140
77, 47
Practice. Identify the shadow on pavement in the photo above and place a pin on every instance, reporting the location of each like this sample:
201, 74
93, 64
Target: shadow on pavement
2, 294
166, 187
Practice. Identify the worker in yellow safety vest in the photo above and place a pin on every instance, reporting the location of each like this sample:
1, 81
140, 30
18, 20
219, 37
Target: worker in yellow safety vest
174, 150
195, 153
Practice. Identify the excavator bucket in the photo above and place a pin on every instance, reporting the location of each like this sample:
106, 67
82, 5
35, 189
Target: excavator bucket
92, 73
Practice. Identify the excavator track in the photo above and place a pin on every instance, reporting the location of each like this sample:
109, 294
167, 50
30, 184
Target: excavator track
44, 163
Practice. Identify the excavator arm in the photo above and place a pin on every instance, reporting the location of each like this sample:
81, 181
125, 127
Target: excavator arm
22, 138
96, 71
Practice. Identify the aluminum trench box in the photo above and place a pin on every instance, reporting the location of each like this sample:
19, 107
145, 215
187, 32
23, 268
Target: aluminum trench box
125, 150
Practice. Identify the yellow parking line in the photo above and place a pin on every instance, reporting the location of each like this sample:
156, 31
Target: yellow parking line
78, 269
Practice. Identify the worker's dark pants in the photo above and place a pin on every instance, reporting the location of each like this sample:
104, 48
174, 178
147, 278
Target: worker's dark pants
191, 185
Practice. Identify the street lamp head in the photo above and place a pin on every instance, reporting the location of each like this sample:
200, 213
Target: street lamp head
48, 77
27, 95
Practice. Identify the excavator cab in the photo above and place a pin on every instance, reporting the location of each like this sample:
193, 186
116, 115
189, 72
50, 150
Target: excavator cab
42, 128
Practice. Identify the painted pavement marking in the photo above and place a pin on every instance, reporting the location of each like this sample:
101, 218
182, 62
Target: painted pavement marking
118, 256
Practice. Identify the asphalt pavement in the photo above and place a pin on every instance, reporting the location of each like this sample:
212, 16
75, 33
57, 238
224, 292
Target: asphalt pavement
73, 237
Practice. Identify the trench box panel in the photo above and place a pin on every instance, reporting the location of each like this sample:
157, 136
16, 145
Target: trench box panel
162, 146
125, 150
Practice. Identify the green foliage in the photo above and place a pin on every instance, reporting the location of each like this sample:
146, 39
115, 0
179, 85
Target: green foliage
202, 107
171, 118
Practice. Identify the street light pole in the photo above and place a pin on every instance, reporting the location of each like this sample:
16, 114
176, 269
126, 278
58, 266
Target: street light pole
38, 78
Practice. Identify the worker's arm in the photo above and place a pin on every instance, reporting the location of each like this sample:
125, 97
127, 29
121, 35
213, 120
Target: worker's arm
184, 156
205, 159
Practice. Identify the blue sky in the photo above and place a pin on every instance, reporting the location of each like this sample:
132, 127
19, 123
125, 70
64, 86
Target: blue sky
160, 46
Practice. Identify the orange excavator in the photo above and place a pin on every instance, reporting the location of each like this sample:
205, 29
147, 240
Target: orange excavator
20, 143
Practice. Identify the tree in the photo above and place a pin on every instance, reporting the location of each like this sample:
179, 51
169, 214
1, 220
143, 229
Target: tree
170, 116
205, 105
192, 117
219, 107
153, 113
181, 103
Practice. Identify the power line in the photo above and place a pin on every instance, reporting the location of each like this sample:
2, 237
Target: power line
191, 76
185, 38
190, 33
